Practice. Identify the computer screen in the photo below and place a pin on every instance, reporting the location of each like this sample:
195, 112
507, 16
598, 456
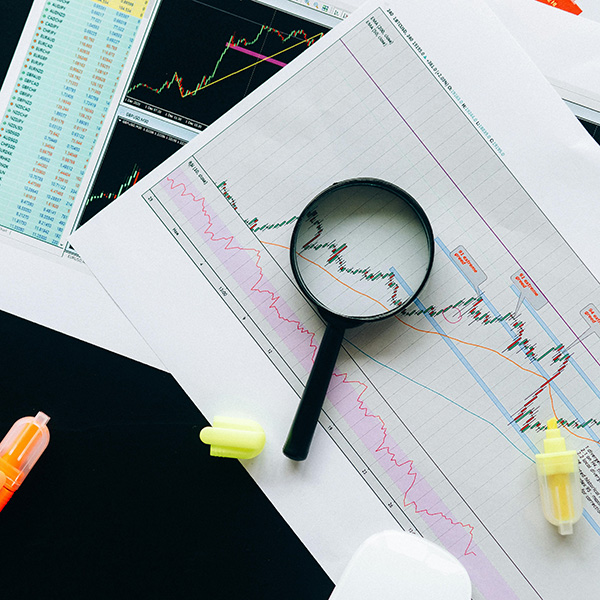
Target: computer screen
68, 148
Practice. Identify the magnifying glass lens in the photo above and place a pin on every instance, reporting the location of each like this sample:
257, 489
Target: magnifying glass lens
360, 251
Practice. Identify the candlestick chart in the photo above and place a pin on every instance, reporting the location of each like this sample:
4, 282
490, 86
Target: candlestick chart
537, 406
517, 343
347, 240
201, 59
227, 49
479, 333
133, 151
104, 198
443, 408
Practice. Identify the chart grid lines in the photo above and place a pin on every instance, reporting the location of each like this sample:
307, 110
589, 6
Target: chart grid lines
412, 398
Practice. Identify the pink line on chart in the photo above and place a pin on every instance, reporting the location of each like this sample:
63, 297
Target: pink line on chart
256, 55
373, 433
343, 393
242, 263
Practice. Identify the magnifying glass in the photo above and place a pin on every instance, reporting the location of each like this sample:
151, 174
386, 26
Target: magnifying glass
361, 251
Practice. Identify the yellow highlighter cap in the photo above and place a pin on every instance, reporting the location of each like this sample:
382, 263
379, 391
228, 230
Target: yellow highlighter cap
554, 441
558, 477
234, 438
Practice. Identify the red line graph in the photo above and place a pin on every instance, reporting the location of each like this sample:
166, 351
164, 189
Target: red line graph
410, 463
228, 246
383, 446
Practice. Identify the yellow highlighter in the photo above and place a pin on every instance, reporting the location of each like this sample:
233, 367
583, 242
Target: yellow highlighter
234, 438
558, 476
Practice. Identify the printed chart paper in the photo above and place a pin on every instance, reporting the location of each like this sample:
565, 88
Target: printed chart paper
432, 420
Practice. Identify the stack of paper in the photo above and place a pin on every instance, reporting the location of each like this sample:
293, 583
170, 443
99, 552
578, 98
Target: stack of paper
432, 421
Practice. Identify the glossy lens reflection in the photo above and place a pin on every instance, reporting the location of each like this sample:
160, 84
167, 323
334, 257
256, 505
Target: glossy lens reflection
362, 249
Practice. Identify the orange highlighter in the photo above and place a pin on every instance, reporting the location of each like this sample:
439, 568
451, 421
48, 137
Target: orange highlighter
19, 451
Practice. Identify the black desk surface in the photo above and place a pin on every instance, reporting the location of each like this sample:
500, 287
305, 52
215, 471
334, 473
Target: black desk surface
126, 502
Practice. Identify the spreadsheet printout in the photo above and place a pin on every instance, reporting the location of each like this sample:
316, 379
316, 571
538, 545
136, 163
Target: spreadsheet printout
436, 416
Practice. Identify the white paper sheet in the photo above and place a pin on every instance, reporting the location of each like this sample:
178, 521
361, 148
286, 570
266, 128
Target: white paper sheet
433, 422
564, 46
589, 9
57, 291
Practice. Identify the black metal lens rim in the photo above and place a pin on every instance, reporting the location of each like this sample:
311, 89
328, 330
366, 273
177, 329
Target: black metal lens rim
345, 320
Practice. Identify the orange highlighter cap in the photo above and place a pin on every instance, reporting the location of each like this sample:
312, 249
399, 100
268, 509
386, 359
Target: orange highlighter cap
19, 451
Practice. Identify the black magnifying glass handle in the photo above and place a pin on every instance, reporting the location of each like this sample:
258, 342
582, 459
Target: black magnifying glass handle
307, 415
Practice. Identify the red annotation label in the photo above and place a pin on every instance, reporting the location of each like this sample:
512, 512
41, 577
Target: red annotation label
468, 266
527, 290
566, 5
521, 279
591, 314
463, 259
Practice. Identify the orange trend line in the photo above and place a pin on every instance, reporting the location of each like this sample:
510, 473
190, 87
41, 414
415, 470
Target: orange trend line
516, 364
328, 273
510, 361
412, 326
